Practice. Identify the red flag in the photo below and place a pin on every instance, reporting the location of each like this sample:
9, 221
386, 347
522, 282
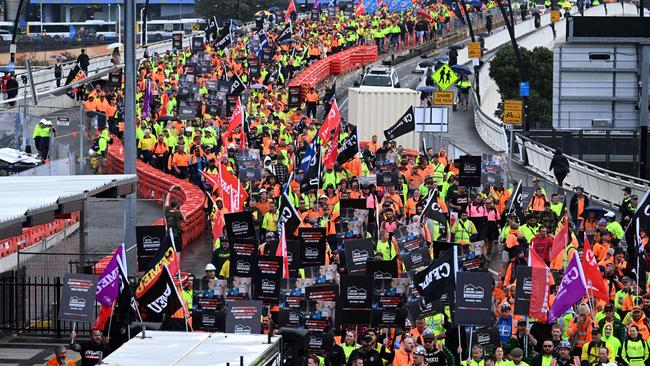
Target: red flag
360, 9
561, 239
217, 224
233, 193
282, 252
332, 121
236, 119
595, 281
290, 9
333, 151
213, 179
541, 277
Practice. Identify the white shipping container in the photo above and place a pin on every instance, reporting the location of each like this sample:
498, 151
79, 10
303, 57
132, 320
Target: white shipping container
375, 109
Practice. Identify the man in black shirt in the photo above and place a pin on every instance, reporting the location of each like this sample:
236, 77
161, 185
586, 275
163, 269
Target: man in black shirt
369, 355
435, 356
84, 61
91, 352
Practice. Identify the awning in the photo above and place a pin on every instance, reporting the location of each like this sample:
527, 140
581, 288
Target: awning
30, 201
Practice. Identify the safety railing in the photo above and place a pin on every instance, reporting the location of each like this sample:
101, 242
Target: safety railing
601, 184
45, 82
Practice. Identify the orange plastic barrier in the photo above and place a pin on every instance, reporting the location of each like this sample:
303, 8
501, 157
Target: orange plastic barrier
34, 235
154, 184
337, 64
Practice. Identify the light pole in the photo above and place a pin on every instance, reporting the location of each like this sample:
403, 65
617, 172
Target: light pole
129, 121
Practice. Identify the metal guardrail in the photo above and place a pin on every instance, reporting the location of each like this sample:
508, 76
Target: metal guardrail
45, 82
601, 184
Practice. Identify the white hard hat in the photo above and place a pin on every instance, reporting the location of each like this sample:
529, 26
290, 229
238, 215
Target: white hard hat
210, 267
46, 122
43, 120
610, 214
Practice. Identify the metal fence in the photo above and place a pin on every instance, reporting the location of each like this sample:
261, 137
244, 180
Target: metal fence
30, 306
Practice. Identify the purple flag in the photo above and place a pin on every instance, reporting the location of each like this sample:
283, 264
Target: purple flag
148, 98
572, 288
316, 5
108, 283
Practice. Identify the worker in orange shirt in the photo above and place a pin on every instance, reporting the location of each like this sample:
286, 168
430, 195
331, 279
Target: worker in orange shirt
60, 358
373, 145
312, 99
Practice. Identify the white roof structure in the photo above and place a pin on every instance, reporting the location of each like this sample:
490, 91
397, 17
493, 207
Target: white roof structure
28, 201
161, 348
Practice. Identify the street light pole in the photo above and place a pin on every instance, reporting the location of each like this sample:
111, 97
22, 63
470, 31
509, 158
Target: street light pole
129, 123
511, 31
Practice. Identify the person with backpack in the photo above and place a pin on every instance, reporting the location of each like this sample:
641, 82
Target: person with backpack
591, 350
634, 350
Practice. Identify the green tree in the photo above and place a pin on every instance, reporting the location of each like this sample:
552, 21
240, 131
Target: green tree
227, 9
537, 68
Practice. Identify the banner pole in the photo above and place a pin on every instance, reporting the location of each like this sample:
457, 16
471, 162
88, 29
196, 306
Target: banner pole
638, 245
179, 279
469, 346
455, 249
110, 321
320, 156
74, 326
526, 340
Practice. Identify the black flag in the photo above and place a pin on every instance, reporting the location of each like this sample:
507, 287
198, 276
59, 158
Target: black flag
437, 279
212, 26
126, 304
404, 125
641, 215
236, 85
349, 147
289, 218
223, 42
517, 204
432, 209
286, 33
162, 298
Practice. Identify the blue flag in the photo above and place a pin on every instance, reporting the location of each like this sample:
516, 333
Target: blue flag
264, 42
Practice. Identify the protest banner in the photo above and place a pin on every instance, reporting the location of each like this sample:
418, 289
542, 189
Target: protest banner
523, 290
148, 240
243, 317
240, 225
357, 252
77, 303
474, 299
312, 246
266, 283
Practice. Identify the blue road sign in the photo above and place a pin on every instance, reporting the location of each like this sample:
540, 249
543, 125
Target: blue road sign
524, 89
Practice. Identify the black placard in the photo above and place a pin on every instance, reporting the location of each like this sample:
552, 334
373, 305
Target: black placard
474, 299
381, 270
267, 281
115, 78
293, 255
186, 113
254, 67
292, 318
322, 292
386, 173
197, 44
469, 174
177, 41
231, 102
240, 225
318, 342
250, 165
148, 239
523, 290
295, 96
312, 246
357, 252
243, 317
208, 320
356, 293
488, 338
77, 303
388, 317
315, 14
243, 257
412, 247
267, 55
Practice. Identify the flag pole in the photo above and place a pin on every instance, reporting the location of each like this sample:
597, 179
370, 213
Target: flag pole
179, 279
638, 245
455, 249
320, 156
110, 320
